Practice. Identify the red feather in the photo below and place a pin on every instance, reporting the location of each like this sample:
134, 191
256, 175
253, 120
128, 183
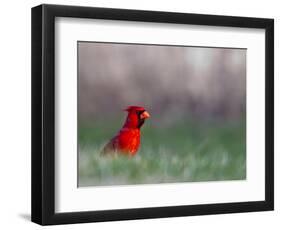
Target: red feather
127, 140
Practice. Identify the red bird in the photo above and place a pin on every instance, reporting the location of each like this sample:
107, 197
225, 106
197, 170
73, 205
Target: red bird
127, 140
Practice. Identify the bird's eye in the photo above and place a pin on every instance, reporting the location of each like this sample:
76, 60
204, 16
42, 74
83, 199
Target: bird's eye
140, 112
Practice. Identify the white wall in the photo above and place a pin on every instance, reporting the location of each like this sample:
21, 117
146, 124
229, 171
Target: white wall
15, 114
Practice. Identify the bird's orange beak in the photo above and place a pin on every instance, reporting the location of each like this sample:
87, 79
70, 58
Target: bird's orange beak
144, 115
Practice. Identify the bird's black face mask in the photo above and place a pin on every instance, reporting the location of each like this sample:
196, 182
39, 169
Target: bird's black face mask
140, 120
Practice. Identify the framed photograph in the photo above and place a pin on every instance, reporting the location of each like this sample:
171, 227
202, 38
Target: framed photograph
142, 114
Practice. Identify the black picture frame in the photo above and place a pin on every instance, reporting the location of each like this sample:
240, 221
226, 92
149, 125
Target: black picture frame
43, 114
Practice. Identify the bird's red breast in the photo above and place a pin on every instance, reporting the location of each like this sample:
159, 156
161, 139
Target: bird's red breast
127, 140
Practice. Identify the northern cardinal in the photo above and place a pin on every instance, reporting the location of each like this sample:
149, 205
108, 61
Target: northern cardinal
127, 140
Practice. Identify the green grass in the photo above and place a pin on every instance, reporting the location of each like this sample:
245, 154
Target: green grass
184, 152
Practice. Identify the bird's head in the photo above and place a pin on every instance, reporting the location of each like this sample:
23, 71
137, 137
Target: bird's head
136, 117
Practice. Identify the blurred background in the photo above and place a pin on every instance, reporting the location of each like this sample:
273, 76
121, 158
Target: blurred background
196, 97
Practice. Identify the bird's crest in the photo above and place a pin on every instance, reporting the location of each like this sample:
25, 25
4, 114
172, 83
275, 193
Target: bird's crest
134, 108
